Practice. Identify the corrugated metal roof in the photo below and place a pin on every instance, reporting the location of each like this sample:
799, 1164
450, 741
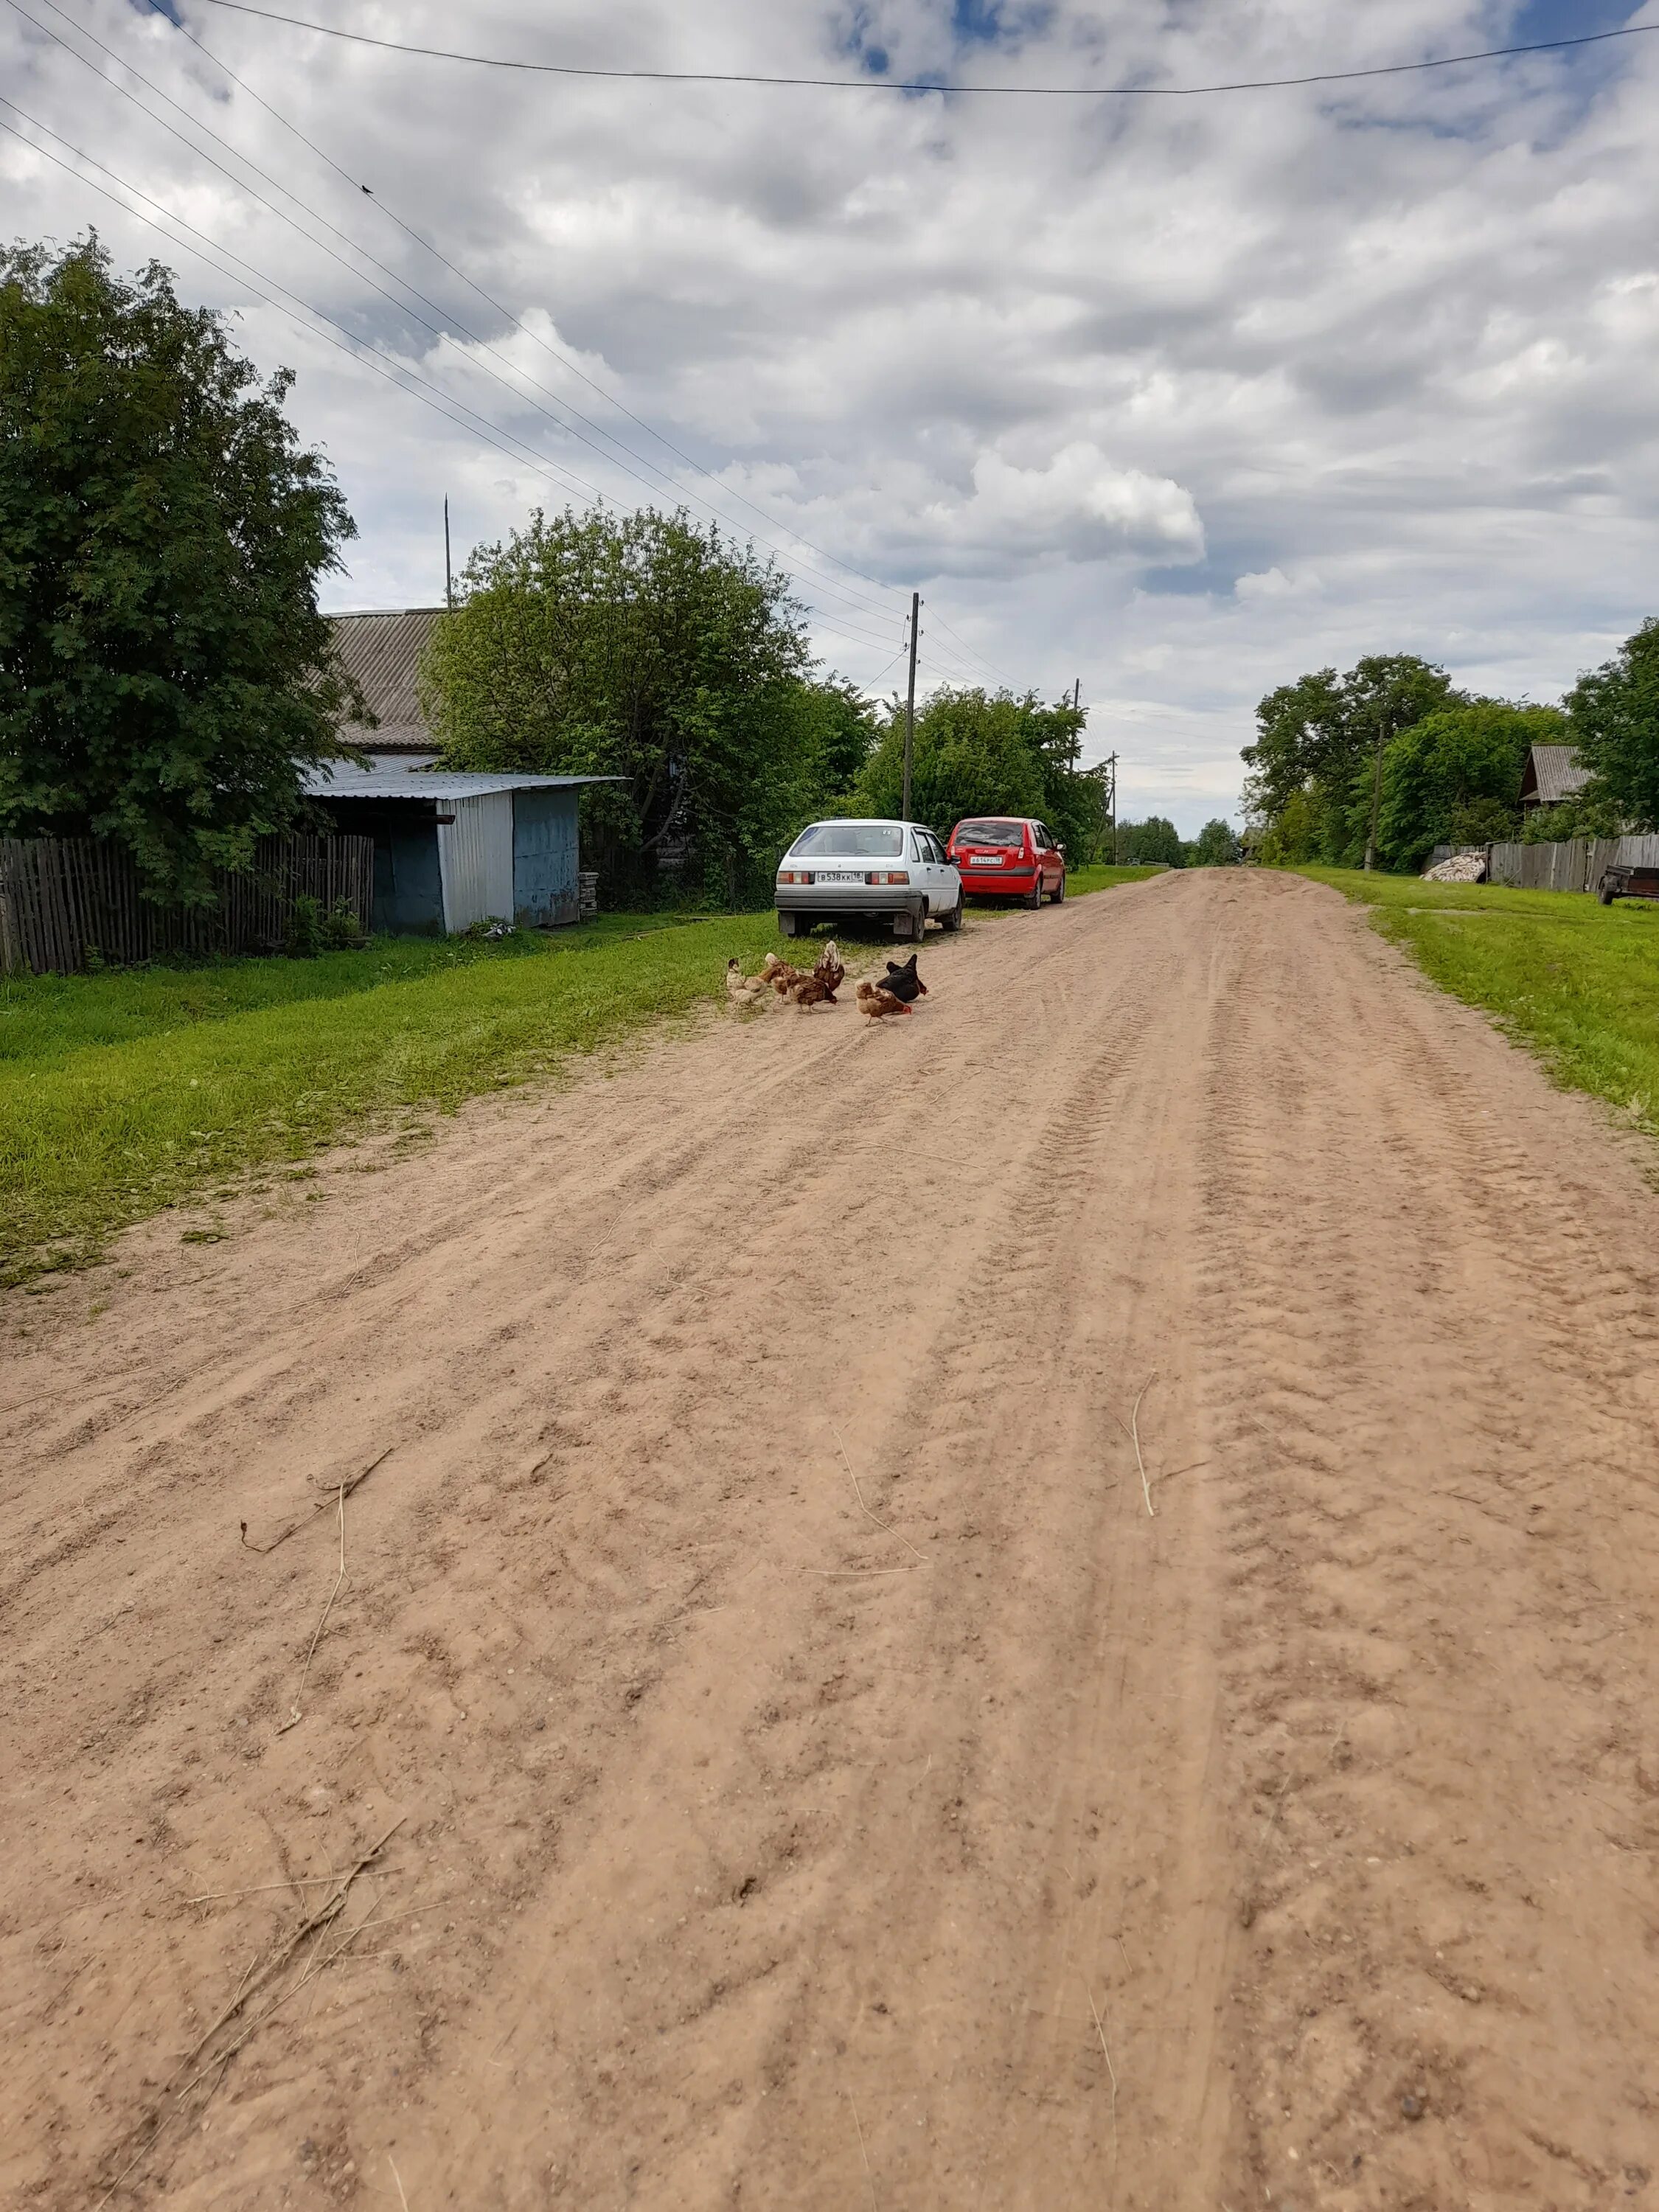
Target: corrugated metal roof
1551, 775
383, 653
339, 780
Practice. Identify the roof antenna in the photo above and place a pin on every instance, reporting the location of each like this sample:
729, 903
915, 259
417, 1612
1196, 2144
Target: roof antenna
449, 581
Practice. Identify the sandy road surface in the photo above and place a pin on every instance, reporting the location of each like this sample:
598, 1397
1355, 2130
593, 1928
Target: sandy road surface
976, 1841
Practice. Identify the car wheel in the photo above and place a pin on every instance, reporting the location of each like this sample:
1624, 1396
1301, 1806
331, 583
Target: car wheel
1604, 892
791, 925
1033, 898
952, 920
1059, 898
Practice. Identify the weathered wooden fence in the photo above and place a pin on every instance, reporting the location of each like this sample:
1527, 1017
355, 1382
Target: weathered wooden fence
64, 898
1567, 864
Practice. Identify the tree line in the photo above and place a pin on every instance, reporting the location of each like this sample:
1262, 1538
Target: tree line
1394, 744
648, 648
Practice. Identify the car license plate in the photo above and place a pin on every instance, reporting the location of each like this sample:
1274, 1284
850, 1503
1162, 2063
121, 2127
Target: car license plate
983, 860
837, 879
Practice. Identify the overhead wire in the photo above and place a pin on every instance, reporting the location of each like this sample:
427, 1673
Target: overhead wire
871, 82
553, 352
856, 602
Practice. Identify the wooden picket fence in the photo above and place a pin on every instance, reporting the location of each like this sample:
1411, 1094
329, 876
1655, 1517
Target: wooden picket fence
70, 903
1567, 864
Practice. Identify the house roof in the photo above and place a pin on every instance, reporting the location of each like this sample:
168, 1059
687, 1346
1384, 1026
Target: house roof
339, 780
1552, 773
382, 650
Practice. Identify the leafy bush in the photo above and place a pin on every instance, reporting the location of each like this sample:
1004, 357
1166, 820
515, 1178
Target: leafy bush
1454, 778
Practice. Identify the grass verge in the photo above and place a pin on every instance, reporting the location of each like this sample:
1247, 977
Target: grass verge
1079, 882
126, 1092
123, 1093
1576, 982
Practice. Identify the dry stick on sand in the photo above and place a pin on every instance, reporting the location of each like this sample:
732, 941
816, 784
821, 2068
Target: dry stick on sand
869, 2177
326, 1911
886, 1525
398, 2178
347, 1487
1134, 1432
246, 1988
295, 1716
1111, 2068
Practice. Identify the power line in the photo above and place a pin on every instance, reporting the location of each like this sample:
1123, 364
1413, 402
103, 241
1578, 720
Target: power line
855, 601
396, 373
868, 83
410, 231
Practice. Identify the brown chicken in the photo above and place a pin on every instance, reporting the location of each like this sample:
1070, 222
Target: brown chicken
877, 1004
829, 971
743, 990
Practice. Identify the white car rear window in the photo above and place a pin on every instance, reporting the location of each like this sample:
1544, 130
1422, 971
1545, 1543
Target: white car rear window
849, 840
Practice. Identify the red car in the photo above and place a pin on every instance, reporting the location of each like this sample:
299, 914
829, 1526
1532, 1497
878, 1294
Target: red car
1008, 856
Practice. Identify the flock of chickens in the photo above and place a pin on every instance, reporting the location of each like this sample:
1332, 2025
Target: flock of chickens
896, 994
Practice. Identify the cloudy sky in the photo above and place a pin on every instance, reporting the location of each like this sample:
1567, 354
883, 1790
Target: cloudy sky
1178, 396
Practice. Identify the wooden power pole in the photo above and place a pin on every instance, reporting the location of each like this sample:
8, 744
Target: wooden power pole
449, 581
910, 705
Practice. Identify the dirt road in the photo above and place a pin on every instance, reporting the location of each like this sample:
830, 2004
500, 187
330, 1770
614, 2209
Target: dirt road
961, 1835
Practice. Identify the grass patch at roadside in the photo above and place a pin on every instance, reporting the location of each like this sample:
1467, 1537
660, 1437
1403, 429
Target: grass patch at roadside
1576, 982
126, 1092
1079, 882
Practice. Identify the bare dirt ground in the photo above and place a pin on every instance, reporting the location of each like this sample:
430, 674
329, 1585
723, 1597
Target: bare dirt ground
968, 1837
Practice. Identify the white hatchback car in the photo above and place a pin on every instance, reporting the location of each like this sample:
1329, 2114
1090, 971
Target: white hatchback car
894, 872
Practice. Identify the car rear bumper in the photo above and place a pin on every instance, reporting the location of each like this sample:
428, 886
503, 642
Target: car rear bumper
1000, 883
878, 901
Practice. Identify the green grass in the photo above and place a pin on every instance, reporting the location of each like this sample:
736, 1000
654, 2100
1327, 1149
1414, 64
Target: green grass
126, 1092
1576, 982
1079, 882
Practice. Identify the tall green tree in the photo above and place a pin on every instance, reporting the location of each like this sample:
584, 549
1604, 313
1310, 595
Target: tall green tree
1319, 736
982, 752
1614, 714
646, 648
1217, 846
1454, 777
164, 670
1154, 842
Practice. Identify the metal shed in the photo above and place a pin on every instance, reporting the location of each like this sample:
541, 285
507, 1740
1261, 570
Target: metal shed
451, 849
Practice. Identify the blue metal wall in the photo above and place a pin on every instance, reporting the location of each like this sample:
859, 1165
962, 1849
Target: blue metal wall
544, 858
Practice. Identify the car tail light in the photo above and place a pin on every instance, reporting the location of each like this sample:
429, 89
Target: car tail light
891, 875
794, 876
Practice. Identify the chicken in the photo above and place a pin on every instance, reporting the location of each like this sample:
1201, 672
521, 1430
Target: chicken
743, 990
903, 982
829, 971
877, 1003
811, 991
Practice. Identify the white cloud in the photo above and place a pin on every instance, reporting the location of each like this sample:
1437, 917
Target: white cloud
1181, 397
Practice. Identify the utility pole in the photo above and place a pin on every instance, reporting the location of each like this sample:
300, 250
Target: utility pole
911, 704
1077, 734
1110, 765
449, 581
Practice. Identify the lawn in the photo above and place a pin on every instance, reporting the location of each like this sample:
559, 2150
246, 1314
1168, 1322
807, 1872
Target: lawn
1079, 882
121, 1093
1576, 982
127, 1091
